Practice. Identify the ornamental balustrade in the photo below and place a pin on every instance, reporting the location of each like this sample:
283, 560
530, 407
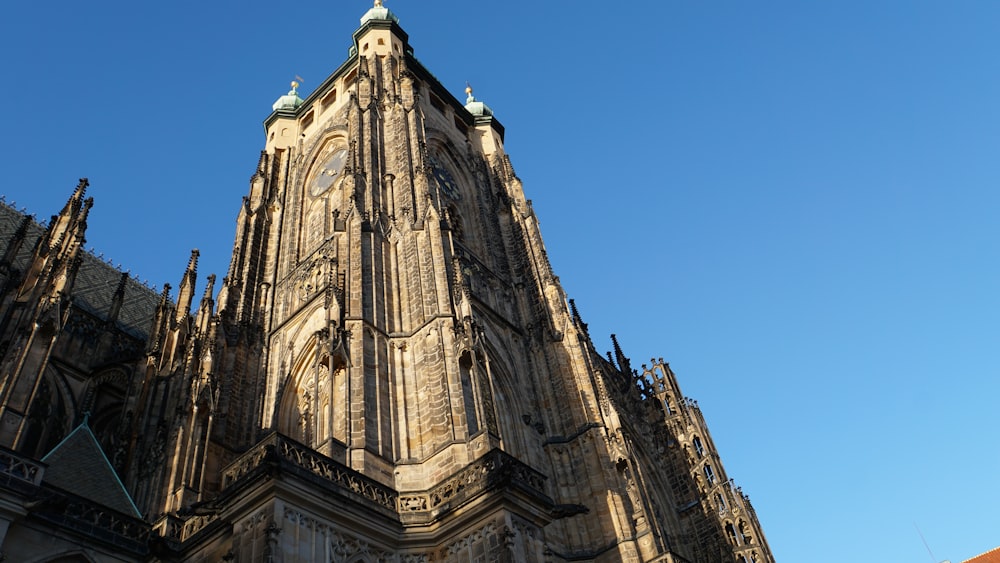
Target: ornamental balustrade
15, 468
493, 470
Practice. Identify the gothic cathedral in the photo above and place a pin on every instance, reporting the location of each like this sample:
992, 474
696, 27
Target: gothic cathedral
390, 371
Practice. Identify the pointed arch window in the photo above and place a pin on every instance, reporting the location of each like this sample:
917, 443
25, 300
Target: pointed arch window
731, 533
709, 474
467, 373
745, 534
698, 446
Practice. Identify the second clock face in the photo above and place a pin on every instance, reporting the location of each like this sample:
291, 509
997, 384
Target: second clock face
330, 172
445, 181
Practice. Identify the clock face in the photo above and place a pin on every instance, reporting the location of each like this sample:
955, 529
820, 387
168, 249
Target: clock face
445, 180
329, 172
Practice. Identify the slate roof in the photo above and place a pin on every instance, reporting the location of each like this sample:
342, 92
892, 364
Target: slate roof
95, 287
95, 283
78, 465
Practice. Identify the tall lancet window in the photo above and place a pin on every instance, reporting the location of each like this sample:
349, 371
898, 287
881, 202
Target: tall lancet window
466, 367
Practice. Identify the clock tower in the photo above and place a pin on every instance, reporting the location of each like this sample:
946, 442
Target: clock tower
422, 386
393, 371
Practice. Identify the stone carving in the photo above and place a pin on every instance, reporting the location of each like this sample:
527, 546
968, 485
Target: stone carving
276, 449
342, 546
20, 468
495, 469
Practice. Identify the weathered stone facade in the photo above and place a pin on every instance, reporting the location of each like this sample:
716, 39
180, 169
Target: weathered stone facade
390, 371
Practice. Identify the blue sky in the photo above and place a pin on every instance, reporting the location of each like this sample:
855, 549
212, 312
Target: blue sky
794, 203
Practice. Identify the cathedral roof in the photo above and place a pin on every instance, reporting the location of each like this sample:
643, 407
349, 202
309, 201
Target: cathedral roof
93, 292
94, 288
78, 465
10, 220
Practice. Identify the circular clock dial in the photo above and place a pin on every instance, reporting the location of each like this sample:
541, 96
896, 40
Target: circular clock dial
329, 172
445, 181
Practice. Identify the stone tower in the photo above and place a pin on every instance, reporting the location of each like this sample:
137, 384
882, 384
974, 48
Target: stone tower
393, 372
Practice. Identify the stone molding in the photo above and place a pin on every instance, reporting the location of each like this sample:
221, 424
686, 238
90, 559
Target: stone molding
493, 471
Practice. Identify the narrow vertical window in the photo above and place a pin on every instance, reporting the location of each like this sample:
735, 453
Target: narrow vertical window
745, 534
698, 447
466, 371
721, 503
731, 533
709, 474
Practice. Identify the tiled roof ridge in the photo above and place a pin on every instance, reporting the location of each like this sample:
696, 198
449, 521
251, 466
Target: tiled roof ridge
991, 556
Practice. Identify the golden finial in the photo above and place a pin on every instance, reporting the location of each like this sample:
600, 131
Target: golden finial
294, 84
378, 3
468, 89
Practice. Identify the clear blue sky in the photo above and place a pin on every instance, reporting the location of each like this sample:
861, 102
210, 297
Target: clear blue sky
795, 203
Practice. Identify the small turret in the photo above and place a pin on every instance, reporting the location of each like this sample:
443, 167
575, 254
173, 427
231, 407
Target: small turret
290, 101
476, 108
490, 130
379, 12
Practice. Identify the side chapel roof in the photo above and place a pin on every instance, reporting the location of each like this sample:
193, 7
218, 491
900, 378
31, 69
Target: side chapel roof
78, 465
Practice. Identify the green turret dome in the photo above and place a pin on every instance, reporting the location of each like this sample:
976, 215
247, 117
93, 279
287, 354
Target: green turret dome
378, 12
289, 101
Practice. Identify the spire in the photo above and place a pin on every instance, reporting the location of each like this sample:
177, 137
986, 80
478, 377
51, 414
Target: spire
577, 319
116, 300
624, 365
290, 101
185, 293
14, 245
58, 260
160, 321
77, 197
206, 309
72, 220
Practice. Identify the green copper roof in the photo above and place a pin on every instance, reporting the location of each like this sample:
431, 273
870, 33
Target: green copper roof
289, 101
378, 13
476, 108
